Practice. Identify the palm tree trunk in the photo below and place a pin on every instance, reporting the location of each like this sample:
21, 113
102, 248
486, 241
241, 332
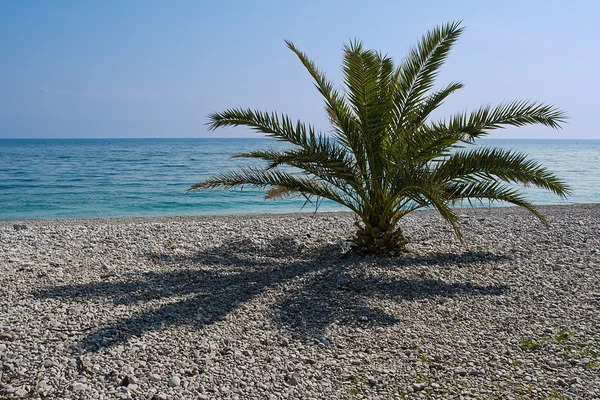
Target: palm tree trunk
378, 237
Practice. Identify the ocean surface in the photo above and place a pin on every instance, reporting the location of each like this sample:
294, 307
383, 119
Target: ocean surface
90, 178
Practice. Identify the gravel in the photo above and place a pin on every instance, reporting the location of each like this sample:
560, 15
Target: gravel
268, 307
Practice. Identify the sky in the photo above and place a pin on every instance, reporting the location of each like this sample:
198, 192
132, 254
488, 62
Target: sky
143, 68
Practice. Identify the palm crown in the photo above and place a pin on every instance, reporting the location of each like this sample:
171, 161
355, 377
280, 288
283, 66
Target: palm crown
385, 158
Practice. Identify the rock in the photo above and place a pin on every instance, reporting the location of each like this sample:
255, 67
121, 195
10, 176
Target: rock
79, 387
9, 389
292, 379
138, 316
418, 386
174, 381
8, 336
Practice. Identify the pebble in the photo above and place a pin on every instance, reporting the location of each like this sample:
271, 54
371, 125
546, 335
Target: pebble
292, 380
8, 336
174, 381
79, 387
253, 308
325, 341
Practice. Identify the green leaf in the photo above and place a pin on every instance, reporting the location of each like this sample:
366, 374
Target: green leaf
386, 158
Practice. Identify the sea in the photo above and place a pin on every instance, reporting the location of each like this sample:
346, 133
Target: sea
105, 178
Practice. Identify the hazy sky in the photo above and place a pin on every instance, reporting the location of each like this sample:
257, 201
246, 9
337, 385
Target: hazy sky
157, 68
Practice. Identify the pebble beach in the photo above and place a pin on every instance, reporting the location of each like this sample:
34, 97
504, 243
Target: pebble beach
271, 307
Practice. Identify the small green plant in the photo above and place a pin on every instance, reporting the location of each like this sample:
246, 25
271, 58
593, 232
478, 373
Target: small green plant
563, 336
556, 395
577, 344
528, 344
357, 386
593, 365
525, 390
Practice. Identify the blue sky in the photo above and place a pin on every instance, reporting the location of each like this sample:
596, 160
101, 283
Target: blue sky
157, 68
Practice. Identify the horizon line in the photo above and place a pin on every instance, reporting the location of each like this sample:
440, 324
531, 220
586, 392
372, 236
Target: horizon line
236, 137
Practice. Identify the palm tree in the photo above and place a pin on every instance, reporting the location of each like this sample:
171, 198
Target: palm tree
384, 157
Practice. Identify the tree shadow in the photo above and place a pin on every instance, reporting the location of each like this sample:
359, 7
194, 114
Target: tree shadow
204, 288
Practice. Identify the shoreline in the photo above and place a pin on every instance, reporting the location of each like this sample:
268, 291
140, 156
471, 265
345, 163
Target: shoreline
265, 307
168, 218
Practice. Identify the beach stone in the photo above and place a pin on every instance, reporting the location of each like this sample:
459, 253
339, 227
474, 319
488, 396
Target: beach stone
7, 336
214, 298
292, 379
174, 381
79, 387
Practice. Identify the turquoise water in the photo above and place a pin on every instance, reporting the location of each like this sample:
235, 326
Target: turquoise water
87, 178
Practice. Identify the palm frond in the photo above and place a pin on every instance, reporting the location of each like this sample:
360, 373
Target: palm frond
319, 150
493, 191
278, 126
430, 104
336, 107
261, 178
513, 113
436, 197
367, 75
499, 164
417, 72
386, 158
